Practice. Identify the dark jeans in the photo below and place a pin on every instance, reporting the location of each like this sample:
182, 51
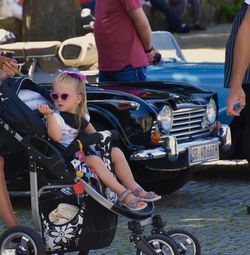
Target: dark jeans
245, 114
172, 18
129, 73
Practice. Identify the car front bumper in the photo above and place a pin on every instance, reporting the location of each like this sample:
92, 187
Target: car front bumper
172, 149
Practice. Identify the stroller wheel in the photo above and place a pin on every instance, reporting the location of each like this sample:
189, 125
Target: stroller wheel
162, 245
21, 240
186, 242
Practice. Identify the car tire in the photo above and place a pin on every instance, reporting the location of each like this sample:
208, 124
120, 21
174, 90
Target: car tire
170, 184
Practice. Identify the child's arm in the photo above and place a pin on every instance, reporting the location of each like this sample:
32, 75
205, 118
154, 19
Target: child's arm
90, 129
54, 130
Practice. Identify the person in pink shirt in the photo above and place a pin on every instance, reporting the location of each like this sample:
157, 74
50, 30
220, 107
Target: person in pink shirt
123, 38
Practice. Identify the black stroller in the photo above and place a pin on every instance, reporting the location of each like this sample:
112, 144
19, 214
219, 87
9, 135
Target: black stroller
55, 178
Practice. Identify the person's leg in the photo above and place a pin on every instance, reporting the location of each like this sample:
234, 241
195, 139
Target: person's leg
109, 180
6, 210
246, 115
175, 22
196, 10
179, 6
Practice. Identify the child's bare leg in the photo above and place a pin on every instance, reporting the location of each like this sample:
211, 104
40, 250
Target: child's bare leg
125, 175
103, 173
106, 176
122, 169
6, 210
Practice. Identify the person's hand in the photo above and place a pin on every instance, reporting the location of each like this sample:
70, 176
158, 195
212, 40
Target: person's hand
152, 57
236, 95
8, 68
45, 110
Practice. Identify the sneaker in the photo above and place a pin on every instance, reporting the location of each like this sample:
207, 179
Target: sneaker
198, 27
184, 28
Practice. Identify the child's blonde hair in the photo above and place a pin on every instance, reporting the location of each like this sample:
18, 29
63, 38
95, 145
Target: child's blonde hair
78, 83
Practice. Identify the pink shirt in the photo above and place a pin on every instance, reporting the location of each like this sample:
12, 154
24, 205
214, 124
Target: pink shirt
117, 41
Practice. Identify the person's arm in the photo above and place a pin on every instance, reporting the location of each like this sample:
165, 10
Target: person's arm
90, 129
142, 27
144, 31
53, 128
241, 61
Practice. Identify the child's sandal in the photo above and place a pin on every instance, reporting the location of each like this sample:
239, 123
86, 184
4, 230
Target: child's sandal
135, 204
148, 197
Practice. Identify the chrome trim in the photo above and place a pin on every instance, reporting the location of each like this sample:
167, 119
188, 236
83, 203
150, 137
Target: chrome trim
172, 149
133, 105
181, 111
225, 137
187, 125
161, 151
158, 152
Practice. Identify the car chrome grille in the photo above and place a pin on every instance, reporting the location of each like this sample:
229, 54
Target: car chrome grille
187, 124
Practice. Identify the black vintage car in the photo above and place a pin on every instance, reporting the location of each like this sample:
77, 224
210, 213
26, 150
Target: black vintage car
164, 130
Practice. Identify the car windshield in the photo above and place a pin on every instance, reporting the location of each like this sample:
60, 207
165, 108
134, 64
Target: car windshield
166, 44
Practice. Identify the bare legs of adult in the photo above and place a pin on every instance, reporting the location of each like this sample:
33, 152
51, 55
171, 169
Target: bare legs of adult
6, 210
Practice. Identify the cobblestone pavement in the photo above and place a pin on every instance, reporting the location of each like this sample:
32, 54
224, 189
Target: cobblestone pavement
211, 206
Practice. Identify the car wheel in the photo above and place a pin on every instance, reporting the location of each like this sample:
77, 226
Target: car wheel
21, 240
172, 183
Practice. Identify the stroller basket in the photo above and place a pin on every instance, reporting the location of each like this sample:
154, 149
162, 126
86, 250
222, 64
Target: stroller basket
93, 227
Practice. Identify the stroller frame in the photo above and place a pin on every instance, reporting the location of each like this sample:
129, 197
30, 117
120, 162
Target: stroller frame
56, 164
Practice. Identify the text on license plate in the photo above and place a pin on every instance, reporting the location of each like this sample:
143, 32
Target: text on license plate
203, 153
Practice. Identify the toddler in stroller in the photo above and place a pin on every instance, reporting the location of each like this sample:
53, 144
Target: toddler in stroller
48, 159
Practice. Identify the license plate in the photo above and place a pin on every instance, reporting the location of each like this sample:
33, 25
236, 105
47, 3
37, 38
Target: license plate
203, 153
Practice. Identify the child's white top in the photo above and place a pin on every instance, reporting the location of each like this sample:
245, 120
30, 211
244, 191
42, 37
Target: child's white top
68, 133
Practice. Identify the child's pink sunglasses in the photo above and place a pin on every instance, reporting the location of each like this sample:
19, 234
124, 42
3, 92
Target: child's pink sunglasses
62, 96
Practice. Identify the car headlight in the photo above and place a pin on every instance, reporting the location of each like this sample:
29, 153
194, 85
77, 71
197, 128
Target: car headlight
211, 112
165, 118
